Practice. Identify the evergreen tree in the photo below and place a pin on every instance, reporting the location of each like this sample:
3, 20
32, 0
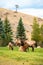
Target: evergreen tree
21, 30
1, 33
36, 31
41, 33
8, 31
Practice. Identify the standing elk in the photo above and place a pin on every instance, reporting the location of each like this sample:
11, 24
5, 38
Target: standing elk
10, 45
28, 44
25, 44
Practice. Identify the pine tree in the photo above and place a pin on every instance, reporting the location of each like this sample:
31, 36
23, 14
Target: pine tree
1, 33
20, 30
8, 31
36, 31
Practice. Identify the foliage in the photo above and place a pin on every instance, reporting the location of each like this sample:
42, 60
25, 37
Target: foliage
2, 35
41, 34
8, 31
36, 31
20, 30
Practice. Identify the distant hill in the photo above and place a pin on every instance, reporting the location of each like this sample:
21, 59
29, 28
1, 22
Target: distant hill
14, 17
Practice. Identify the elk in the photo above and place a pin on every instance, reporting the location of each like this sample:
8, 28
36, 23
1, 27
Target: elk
28, 44
25, 44
18, 42
10, 45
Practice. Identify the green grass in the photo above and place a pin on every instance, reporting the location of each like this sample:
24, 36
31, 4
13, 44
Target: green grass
15, 57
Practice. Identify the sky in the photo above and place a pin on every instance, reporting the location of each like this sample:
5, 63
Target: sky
31, 7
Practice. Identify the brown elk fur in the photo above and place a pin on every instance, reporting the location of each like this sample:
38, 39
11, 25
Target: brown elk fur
10, 45
29, 44
24, 44
18, 42
21, 48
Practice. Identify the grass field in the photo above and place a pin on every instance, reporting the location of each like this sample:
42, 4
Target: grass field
15, 57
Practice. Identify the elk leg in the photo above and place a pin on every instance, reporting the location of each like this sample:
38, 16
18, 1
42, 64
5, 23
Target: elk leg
32, 48
12, 48
28, 48
9, 47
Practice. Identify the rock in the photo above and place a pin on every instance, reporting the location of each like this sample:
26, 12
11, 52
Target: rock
38, 47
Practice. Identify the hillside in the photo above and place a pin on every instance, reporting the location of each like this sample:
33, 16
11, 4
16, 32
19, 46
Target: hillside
14, 17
